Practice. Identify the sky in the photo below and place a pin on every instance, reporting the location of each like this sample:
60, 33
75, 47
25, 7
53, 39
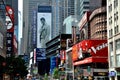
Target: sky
20, 18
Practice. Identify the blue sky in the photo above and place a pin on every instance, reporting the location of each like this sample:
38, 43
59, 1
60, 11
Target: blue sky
20, 19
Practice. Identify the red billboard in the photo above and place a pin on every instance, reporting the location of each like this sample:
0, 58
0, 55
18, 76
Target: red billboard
9, 19
98, 50
10, 30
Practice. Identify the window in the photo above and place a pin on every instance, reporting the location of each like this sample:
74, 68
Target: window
110, 20
118, 59
115, 3
111, 61
110, 33
116, 29
116, 16
111, 47
110, 7
117, 44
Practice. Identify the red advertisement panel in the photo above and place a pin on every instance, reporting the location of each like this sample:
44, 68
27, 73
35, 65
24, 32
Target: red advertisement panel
9, 19
96, 48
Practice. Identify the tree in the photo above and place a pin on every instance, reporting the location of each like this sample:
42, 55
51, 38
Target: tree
15, 66
45, 76
2, 65
56, 73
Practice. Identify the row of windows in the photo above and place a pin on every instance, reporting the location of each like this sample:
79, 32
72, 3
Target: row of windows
115, 5
112, 63
117, 45
116, 30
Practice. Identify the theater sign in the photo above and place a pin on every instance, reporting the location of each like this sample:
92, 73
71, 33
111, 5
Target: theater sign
88, 51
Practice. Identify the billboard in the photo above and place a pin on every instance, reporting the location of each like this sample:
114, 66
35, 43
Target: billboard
95, 48
10, 30
43, 26
40, 54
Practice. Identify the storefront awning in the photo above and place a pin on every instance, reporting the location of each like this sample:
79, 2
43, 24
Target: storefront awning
91, 60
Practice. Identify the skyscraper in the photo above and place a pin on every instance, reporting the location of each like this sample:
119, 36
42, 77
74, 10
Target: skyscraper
89, 5
2, 29
60, 10
29, 13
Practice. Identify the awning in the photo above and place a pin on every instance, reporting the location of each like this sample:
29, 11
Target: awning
91, 60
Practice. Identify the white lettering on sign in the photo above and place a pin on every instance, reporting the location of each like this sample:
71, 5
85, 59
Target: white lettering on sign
103, 45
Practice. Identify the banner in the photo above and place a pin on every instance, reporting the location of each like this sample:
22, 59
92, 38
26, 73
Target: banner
40, 54
43, 26
10, 30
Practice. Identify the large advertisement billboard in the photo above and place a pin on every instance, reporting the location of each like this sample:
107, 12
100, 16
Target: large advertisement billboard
43, 26
88, 51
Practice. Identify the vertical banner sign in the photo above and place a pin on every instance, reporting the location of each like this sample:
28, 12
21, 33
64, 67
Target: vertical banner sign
40, 54
34, 27
43, 26
52, 63
10, 30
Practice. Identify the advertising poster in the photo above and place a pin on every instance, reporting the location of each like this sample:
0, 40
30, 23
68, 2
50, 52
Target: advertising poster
43, 26
40, 54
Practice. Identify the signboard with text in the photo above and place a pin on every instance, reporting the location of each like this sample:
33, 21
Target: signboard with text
10, 30
40, 54
96, 51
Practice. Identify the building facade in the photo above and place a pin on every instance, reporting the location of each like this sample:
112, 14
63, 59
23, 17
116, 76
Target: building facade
113, 27
98, 24
30, 21
61, 9
3, 29
89, 5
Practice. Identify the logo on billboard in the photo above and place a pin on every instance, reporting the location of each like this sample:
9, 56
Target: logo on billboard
98, 48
